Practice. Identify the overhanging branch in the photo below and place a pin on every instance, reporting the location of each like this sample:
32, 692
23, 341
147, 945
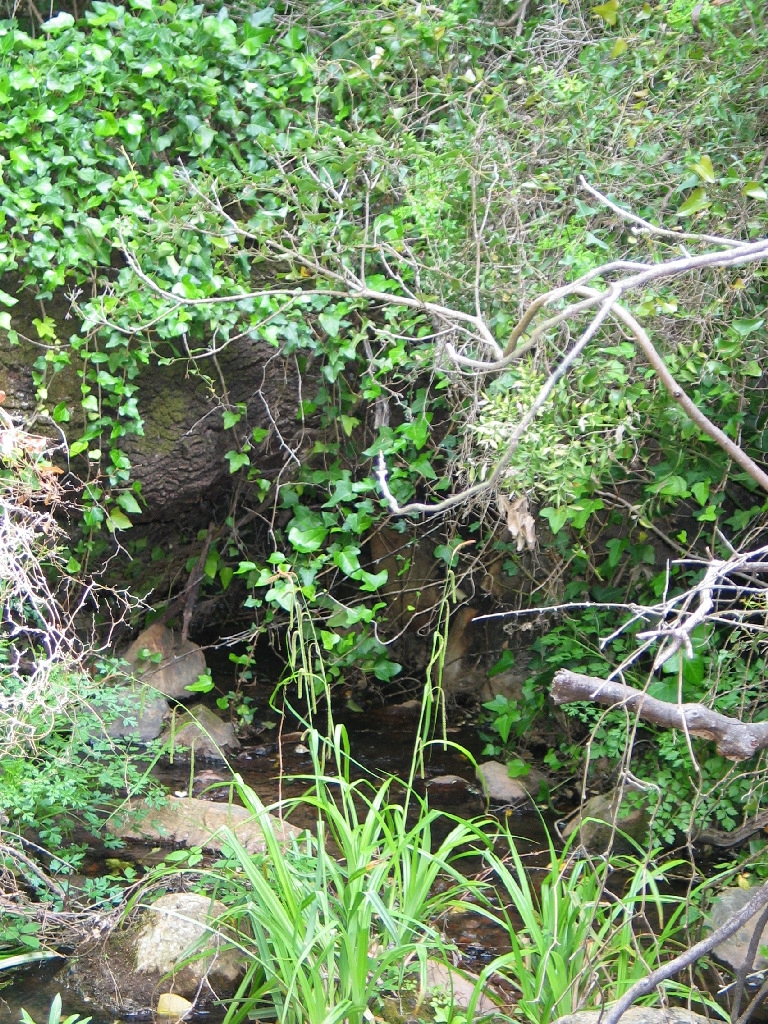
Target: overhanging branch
735, 740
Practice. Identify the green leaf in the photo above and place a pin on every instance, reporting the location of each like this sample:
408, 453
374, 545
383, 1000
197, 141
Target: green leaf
58, 23
703, 167
556, 517
231, 418
5, 321
384, 669
518, 768
608, 11
237, 460
307, 538
330, 324
700, 491
417, 431
204, 137
347, 560
745, 327
372, 581
203, 684
128, 503
754, 190
507, 660
695, 202
152, 69
116, 520
61, 413
619, 47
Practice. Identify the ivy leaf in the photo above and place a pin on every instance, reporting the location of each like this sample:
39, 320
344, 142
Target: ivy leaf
237, 460
695, 202
307, 539
347, 560
203, 683
127, 502
116, 520
330, 324
608, 11
58, 23
556, 517
372, 581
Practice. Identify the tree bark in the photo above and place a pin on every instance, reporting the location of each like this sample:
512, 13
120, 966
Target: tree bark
735, 740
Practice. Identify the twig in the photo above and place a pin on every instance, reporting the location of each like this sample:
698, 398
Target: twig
653, 228
646, 985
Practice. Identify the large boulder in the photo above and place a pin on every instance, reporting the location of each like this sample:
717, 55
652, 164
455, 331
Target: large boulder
200, 733
163, 660
161, 952
186, 821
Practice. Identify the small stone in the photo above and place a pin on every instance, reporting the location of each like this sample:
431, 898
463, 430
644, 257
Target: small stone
498, 785
603, 819
133, 712
202, 732
171, 1005
638, 1015
190, 822
733, 950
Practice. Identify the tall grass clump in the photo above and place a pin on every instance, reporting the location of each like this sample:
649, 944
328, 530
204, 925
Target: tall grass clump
344, 917
580, 944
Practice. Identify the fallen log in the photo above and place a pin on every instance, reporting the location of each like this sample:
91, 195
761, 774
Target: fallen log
734, 739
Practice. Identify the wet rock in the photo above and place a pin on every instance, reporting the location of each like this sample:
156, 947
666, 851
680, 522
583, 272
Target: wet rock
133, 712
603, 819
457, 988
508, 683
203, 733
124, 973
638, 1015
210, 785
185, 821
500, 788
170, 1005
179, 665
733, 950
451, 791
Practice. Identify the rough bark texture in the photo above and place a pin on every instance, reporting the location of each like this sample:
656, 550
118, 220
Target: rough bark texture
180, 460
734, 740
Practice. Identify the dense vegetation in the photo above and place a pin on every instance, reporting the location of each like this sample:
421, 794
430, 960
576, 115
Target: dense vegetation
377, 192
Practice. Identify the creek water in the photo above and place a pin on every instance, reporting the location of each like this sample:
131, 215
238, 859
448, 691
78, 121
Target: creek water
381, 745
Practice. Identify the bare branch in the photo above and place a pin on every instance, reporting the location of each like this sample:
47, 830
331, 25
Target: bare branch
735, 740
646, 985
653, 229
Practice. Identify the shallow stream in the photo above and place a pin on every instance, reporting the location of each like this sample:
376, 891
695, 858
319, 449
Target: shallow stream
381, 744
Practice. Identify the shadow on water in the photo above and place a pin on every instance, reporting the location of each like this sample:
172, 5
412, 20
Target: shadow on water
382, 745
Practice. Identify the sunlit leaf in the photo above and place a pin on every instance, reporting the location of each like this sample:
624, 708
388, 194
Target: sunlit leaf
608, 11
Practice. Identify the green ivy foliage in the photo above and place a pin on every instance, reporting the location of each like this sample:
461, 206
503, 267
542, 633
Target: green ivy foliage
226, 152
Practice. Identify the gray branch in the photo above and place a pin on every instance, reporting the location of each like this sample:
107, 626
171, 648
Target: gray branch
734, 739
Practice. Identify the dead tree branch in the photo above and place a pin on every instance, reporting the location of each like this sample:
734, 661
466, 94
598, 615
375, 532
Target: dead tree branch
646, 985
735, 740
